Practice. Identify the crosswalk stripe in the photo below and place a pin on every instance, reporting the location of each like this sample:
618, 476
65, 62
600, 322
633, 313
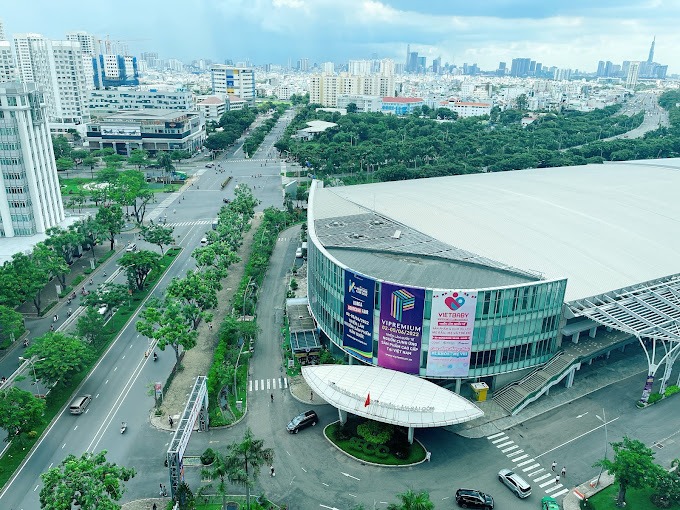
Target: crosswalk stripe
563, 491
542, 477
285, 382
558, 486
501, 439
496, 435
268, 388
250, 385
525, 462
545, 484
529, 468
503, 445
262, 383
512, 454
510, 448
520, 457
256, 384
536, 472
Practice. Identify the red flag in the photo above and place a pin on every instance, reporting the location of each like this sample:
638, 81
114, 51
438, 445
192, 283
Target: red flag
368, 400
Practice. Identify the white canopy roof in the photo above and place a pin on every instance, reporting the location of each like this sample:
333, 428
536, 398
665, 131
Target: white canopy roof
395, 397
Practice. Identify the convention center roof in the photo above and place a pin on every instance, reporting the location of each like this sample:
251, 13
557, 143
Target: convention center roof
604, 227
389, 396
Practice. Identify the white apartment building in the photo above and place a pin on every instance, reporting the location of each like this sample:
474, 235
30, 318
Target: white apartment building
328, 68
89, 43
30, 197
6, 62
229, 80
2, 31
109, 101
57, 68
387, 67
325, 89
364, 103
359, 67
212, 107
468, 109
632, 77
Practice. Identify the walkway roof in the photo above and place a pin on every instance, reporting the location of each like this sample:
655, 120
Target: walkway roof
395, 397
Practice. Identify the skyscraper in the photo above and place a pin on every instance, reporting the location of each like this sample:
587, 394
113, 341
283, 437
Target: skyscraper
650, 57
520, 67
633, 71
30, 198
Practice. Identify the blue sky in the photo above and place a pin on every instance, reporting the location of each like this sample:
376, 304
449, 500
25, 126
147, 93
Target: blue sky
573, 33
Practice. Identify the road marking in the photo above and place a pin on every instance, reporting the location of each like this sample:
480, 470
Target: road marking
36, 488
256, 384
262, 383
513, 447
116, 368
512, 454
303, 469
496, 435
268, 385
501, 439
525, 462
582, 415
107, 382
542, 477
324, 483
558, 486
577, 437
524, 470
503, 445
520, 458
62, 446
351, 494
123, 356
75, 428
563, 491
536, 472
349, 476
545, 484
250, 385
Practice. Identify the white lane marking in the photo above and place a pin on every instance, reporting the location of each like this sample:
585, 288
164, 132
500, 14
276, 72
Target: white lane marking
503, 445
512, 454
545, 484
558, 486
323, 483
268, 384
536, 472
250, 385
303, 469
520, 457
542, 477
36, 488
577, 437
529, 468
513, 447
500, 439
563, 491
525, 462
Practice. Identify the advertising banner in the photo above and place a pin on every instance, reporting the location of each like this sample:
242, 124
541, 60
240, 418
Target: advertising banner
452, 322
401, 327
358, 310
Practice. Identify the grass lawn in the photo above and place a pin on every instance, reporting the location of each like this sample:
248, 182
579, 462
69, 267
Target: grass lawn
414, 453
635, 500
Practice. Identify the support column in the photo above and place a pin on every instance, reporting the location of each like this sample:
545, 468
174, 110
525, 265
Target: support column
411, 431
458, 385
569, 380
343, 416
574, 337
592, 332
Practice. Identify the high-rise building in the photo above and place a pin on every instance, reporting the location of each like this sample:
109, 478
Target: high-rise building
422, 65
89, 43
325, 89
151, 59
2, 31
57, 68
600, 69
303, 65
387, 67
412, 65
520, 67
437, 65
359, 67
6, 58
650, 57
632, 77
30, 197
501, 69
229, 80
328, 68
115, 71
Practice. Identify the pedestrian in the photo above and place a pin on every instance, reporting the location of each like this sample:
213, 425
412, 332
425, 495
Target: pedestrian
165, 491
271, 471
160, 489
210, 326
428, 456
272, 397
557, 480
311, 396
154, 507
564, 471
553, 466
171, 421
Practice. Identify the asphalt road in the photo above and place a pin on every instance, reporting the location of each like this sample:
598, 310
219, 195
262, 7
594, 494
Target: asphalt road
121, 381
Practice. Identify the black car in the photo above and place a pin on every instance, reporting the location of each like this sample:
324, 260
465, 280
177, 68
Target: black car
470, 498
301, 421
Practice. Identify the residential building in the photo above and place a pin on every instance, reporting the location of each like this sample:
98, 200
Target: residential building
303, 65
30, 197
151, 130
57, 68
387, 67
6, 58
115, 71
325, 89
151, 59
229, 80
2, 31
359, 67
468, 109
400, 105
363, 103
633, 71
212, 107
328, 68
109, 101
89, 43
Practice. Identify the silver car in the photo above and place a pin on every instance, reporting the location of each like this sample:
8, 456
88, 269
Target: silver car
515, 483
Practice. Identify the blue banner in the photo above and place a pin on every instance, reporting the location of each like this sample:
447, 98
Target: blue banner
358, 320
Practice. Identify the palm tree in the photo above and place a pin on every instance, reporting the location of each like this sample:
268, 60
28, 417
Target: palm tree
244, 461
411, 500
219, 469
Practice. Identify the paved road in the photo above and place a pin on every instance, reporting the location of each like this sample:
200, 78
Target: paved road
121, 381
655, 116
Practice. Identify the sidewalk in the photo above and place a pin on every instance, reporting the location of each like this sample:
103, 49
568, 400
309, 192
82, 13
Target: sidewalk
572, 502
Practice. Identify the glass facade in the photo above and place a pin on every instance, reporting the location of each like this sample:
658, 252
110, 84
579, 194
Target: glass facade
515, 327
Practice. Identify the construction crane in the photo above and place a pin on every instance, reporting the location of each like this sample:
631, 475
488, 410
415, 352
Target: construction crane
119, 44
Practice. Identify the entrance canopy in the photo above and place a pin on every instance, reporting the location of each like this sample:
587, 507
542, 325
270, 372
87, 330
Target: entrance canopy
388, 396
647, 310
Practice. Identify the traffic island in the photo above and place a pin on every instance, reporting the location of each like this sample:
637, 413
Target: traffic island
395, 451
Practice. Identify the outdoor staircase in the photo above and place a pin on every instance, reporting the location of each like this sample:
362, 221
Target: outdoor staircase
516, 396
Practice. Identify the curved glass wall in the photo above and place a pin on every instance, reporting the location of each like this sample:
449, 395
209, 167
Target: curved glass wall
515, 327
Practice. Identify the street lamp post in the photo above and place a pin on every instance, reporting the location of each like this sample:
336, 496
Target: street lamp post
603, 419
245, 295
32, 362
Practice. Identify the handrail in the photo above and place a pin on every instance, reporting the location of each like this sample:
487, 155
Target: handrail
506, 388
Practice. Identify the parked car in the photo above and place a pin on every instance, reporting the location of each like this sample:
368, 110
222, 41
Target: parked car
515, 483
548, 503
471, 498
302, 421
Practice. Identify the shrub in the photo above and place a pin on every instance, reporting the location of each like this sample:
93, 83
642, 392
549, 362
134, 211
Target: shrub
342, 434
382, 452
402, 451
208, 457
654, 398
671, 390
375, 432
293, 284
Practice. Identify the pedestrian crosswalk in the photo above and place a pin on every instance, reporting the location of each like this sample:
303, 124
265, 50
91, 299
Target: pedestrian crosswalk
254, 160
275, 383
189, 223
528, 466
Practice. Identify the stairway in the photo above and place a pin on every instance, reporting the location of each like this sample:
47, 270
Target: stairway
514, 397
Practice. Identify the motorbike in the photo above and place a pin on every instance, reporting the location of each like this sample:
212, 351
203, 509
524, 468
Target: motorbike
123, 427
155, 356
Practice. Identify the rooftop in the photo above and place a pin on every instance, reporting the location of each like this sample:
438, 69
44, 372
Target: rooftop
147, 114
211, 100
604, 227
402, 99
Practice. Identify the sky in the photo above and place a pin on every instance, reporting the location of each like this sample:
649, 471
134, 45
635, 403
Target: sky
572, 33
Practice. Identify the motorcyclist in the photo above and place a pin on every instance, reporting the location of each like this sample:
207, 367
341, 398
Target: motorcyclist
155, 356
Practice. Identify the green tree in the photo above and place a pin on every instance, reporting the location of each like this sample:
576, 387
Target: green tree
164, 160
90, 326
52, 262
20, 412
633, 466
91, 232
61, 147
64, 164
411, 500
375, 432
165, 322
197, 292
11, 326
29, 279
218, 141
91, 161
79, 155
88, 483
522, 102
138, 158
64, 356
138, 265
131, 189
159, 235
111, 295
352, 108
110, 218
667, 487
179, 155
445, 113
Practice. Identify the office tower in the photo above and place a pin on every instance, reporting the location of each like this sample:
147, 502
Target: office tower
422, 64
57, 68
539, 69
412, 66
632, 77
532, 67
501, 69
408, 56
650, 58
229, 80
303, 65
6, 58
30, 198
520, 67
437, 65
600, 69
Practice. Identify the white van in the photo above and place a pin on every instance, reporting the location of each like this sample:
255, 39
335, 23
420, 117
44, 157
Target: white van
80, 403
204, 241
131, 247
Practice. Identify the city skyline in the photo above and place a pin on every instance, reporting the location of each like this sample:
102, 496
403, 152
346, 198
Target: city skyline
273, 31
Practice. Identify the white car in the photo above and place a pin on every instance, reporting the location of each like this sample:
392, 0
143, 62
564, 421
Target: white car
515, 483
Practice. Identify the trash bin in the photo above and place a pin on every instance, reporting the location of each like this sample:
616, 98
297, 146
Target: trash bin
480, 389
